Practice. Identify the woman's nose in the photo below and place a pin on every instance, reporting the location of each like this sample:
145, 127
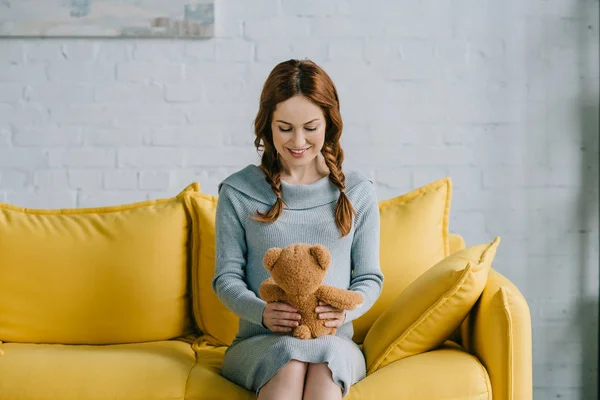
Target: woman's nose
298, 140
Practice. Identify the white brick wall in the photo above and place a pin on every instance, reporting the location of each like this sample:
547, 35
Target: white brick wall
502, 96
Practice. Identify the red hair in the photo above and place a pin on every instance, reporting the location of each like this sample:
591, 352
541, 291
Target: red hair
288, 79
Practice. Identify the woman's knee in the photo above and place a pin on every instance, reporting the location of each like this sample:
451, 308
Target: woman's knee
288, 382
321, 369
320, 384
294, 369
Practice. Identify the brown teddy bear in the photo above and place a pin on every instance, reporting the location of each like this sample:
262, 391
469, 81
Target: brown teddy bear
297, 272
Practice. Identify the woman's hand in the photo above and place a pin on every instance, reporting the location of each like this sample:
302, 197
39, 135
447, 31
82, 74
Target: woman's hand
334, 316
280, 317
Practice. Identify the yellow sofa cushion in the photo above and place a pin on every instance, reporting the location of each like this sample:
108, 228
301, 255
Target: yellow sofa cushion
206, 380
431, 308
142, 371
414, 237
216, 321
95, 275
448, 373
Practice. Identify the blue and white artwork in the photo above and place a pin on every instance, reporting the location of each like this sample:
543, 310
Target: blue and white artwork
117, 18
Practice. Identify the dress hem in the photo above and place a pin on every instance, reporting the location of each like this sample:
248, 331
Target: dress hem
334, 376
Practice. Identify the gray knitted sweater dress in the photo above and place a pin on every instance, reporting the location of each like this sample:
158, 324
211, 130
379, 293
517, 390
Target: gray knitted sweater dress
256, 353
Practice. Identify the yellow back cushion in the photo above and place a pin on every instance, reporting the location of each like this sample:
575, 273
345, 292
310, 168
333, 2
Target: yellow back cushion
414, 237
216, 321
95, 275
431, 308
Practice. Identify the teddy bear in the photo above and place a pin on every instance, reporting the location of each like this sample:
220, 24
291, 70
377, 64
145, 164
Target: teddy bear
297, 272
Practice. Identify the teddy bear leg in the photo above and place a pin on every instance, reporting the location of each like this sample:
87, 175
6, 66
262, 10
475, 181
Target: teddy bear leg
322, 330
302, 332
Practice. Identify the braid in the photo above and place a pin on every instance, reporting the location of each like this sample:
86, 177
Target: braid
272, 169
334, 156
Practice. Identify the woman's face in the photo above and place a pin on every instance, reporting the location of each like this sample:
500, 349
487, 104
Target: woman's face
298, 124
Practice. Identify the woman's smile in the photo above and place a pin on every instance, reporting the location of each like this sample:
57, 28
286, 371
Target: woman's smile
298, 153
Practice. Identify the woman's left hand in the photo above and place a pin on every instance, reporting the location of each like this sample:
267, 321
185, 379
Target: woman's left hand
334, 316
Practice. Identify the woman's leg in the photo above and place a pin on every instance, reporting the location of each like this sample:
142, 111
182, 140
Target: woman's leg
288, 383
319, 383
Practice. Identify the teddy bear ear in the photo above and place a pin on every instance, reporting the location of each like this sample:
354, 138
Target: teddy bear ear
271, 257
321, 254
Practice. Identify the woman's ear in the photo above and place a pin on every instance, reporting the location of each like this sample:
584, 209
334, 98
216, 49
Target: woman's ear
270, 257
321, 254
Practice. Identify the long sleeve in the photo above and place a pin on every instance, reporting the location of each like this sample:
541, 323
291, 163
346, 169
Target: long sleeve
229, 281
367, 277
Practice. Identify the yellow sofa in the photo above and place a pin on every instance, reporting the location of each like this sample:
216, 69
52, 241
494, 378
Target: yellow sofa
109, 303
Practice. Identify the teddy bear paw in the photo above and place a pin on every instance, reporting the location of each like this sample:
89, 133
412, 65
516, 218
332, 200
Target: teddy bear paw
302, 332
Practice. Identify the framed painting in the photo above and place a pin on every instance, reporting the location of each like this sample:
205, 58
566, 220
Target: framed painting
107, 18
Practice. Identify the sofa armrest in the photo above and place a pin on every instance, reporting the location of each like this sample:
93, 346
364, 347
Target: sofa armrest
498, 332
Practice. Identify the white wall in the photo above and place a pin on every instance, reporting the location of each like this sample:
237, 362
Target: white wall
500, 95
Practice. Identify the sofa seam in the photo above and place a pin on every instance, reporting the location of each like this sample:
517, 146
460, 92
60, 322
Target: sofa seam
90, 210
187, 380
510, 351
446, 222
195, 261
194, 266
484, 254
488, 383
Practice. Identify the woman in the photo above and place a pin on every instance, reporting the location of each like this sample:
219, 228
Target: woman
298, 194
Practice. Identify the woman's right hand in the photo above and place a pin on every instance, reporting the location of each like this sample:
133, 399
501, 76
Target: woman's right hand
280, 317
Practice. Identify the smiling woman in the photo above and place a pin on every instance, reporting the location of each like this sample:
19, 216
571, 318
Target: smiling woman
297, 97
296, 195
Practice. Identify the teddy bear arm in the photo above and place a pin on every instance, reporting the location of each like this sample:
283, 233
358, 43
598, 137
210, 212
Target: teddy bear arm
270, 291
339, 298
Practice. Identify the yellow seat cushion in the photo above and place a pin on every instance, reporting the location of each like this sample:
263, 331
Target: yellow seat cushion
216, 321
206, 381
431, 308
95, 275
414, 237
137, 371
447, 373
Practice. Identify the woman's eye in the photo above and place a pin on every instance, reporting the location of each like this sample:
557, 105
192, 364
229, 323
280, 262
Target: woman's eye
285, 130
311, 129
